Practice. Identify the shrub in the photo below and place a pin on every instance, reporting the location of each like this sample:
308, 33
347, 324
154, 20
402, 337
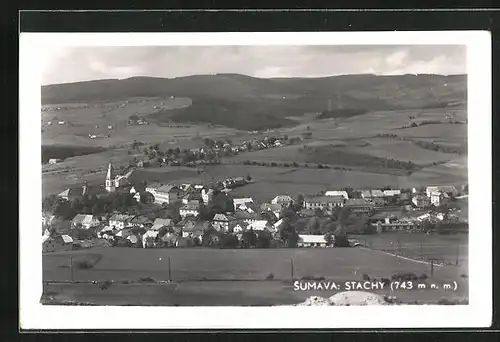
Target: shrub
270, 276
312, 278
366, 277
84, 264
385, 281
423, 276
147, 280
104, 285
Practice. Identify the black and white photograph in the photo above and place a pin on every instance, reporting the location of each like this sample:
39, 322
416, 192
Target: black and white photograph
191, 174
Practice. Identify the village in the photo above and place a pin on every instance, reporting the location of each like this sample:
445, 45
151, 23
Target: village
154, 215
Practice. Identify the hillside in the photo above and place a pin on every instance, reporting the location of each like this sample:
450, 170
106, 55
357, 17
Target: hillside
246, 102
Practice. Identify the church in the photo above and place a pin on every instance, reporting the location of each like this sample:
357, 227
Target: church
114, 183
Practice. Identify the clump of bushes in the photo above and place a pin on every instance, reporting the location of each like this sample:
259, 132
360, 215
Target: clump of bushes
366, 277
270, 276
407, 276
147, 280
312, 278
84, 264
104, 285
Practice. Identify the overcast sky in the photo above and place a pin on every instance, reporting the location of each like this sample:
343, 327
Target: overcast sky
72, 64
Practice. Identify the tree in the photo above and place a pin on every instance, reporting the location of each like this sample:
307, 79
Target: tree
329, 238
228, 240
96, 209
264, 239
249, 178
313, 226
248, 239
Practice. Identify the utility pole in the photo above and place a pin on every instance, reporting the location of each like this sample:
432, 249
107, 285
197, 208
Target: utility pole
432, 266
71, 267
421, 248
169, 270
291, 263
458, 252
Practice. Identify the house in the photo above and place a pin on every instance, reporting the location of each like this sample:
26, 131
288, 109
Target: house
240, 227
274, 208
124, 233
120, 221
169, 240
392, 193
421, 201
195, 230
162, 222
192, 208
369, 194
83, 190
245, 216
284, 200
137, 188
121, 181
82, 221
184, 224
57, 243
222, 222
149, 238
206, 195
54, 161
141, 221
240, 203
311, 241
358, 205
438, 197
337, 193
277, 224
259, 225
192, 196
450, 190
144, 197
151, 188
323, 202
167, 194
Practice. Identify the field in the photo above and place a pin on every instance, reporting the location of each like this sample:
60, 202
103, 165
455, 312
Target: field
233, 272
444, 248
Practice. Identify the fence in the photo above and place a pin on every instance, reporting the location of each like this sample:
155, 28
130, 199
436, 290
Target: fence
441, 249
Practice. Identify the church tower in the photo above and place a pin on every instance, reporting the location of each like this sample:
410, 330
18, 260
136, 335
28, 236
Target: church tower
110, 183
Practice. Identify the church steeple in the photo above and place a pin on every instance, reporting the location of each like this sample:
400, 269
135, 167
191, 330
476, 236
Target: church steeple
110, 184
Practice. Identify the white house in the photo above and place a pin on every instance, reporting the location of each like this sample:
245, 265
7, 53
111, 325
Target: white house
224, 222
392, 193
120, 221
258, 225
337, 193
83, 221
152, 187
438, 197
240, 203
369, 194
192, 208
206, 195
420, 201
54, 161
284, 200
447, 189
274, 208
311, 241
167, 194
161, 222
240, 227
323, 202
57, 244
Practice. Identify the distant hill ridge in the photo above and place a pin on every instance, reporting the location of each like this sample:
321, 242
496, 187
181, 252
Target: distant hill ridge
246, 102
236, 85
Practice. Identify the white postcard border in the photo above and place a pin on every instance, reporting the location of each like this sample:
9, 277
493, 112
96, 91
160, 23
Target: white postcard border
478, 313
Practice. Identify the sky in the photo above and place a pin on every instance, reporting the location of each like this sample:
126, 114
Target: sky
74, 64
